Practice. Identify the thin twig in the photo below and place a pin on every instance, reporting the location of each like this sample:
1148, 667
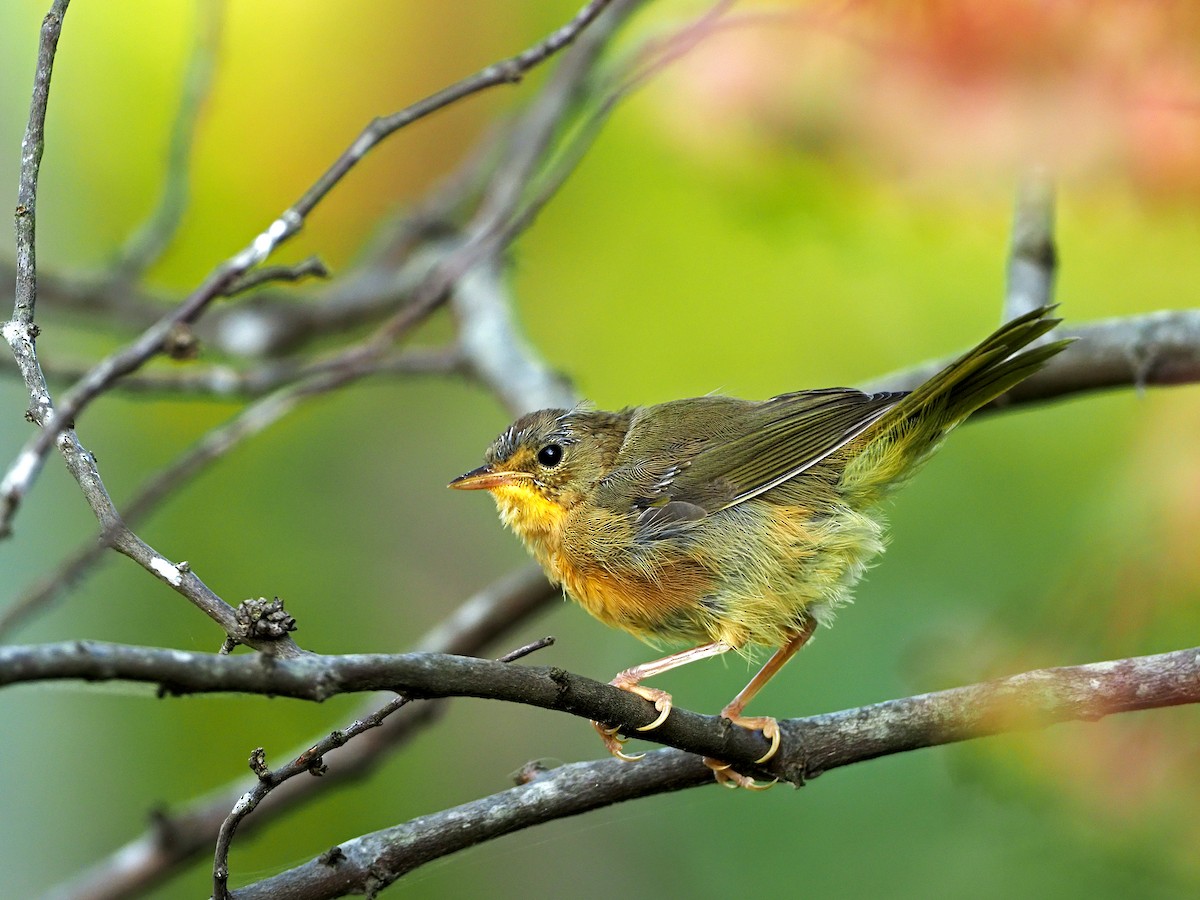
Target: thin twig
216, 444
147, 244
345, 368
312, 761
508, 71
312, 267
204, 383
539, 388
21, 334
32, 146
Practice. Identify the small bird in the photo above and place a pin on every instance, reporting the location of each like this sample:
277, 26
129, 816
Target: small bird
730, 524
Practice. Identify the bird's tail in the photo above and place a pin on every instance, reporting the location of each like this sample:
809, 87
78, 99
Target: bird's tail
981, 375
912, 429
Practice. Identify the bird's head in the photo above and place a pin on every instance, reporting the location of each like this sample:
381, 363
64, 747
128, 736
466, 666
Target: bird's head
543, 465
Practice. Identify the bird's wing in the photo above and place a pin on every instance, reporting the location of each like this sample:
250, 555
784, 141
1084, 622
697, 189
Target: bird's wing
786, 435
731, 451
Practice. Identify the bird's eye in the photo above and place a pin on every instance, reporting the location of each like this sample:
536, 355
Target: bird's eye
550, 455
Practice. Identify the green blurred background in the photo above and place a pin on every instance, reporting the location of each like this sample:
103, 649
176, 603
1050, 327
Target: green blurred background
817, 197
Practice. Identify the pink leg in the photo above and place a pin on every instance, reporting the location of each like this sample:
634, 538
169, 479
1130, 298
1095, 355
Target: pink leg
767, 725
630, 680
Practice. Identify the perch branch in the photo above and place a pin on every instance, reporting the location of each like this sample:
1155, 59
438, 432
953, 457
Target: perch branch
811, 745
1078, 692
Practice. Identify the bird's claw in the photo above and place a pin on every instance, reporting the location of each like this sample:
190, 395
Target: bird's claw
662, 702
726, 777
723, 771
765, 724
613, 742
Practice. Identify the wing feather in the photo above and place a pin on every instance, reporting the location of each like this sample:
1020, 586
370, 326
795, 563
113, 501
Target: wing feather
735, 450
788, 435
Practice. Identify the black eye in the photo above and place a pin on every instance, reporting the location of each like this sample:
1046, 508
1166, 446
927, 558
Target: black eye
550, 455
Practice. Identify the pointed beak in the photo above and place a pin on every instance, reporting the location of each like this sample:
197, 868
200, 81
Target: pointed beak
484, 479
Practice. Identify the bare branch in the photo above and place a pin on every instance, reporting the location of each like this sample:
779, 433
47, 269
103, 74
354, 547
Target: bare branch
216, 444
1032, 257
21, 334
32, 145
1049, 695
25, 469
312, 761
497, 352
181, 836
366, 864
1161, 348
306, 268
812, 746
489, 336
179, 576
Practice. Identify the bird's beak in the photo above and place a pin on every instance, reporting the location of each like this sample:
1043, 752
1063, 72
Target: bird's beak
485, 478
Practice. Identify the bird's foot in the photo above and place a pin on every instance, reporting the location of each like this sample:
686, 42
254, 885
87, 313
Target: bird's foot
727, 777
613, 742
724, 773
767, 725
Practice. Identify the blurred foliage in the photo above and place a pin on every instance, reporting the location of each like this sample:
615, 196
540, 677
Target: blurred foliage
817, 195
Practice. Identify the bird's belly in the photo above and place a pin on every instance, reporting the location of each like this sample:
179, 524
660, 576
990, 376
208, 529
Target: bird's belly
785, 566
656, 606
749, 576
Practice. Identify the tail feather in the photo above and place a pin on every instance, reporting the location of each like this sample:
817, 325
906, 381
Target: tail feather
969, 396
902, 439
984, 373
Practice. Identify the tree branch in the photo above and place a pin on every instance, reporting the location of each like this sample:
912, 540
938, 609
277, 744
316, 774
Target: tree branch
181, 836
147, 244
812, 745
55, 421
1160, 348
311, 761
32, 145
1039, 697
1032, 258
470, 275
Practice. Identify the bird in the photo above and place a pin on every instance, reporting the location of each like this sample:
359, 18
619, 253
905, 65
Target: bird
722, 524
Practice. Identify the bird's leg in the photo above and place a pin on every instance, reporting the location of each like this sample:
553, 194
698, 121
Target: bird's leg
630, 680
767, 725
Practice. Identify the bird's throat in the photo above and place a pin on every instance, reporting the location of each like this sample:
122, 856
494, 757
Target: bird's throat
536, 519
